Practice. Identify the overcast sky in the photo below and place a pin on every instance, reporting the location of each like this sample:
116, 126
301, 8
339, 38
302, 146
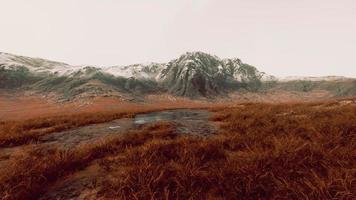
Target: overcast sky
280, 37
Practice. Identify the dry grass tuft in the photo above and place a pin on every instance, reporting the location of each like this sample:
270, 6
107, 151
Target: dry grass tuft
266, 151
28, 176
289, 151
14, 133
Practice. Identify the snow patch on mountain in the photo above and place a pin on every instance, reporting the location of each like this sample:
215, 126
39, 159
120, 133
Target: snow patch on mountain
189, 63
140, 71
38, 65
35, 65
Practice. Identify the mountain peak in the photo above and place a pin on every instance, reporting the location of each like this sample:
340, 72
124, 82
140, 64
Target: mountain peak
197, 55
192, 74
201, 74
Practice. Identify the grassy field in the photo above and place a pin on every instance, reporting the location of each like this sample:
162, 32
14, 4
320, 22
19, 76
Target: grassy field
264, 151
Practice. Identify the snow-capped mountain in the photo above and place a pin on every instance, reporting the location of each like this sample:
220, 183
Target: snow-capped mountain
198, 73
203, 62
36, 65
41, 66
140, 71
193, 74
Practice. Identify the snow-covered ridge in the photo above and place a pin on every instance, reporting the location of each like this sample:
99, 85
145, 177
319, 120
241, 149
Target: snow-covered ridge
151, 70
191, 60
38, 65
145, 71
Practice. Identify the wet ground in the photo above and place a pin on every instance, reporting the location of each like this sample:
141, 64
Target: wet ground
171, 115
187, 121
87, 134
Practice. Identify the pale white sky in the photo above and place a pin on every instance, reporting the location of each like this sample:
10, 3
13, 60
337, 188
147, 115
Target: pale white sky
280, 37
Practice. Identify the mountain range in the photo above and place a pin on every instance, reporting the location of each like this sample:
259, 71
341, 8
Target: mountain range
193, 75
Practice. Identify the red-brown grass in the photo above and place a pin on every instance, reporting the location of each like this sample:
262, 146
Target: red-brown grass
265, 151
13, 133
29, 175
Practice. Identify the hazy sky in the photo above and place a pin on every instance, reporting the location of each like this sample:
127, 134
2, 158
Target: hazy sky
280, 37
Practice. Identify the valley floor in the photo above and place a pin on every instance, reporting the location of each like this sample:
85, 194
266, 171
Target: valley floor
304, 150
22, 105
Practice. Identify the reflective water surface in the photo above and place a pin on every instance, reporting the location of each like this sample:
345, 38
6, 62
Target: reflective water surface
170, 115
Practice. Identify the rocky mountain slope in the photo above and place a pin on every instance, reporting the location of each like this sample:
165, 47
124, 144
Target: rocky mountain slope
200, 74
193, 74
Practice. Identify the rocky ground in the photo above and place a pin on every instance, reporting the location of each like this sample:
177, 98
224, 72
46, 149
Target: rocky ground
81, 184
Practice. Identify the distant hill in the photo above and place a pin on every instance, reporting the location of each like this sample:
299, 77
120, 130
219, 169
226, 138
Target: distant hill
193, 75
